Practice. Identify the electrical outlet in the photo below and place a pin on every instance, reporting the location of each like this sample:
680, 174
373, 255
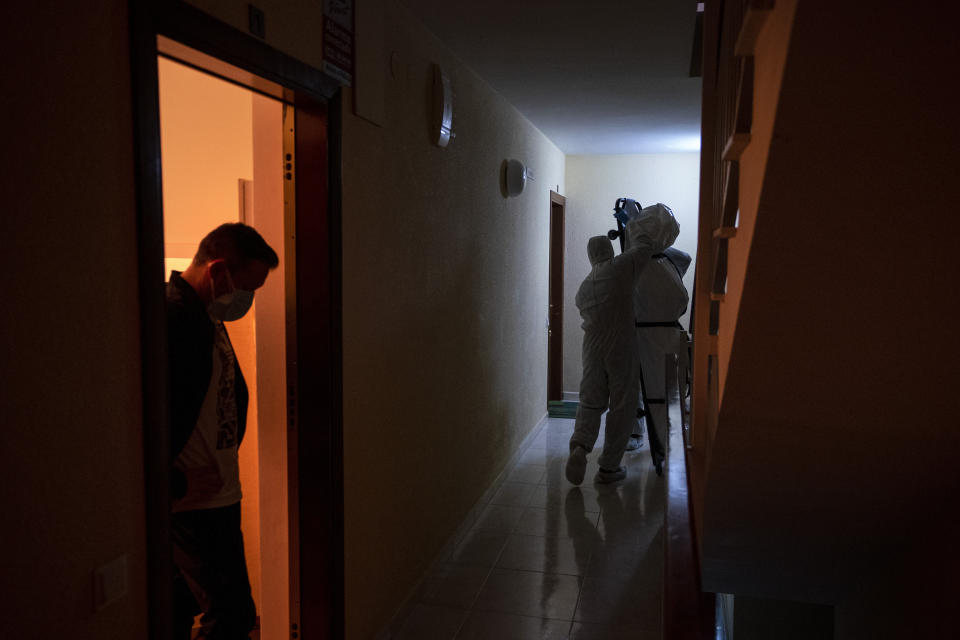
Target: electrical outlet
109, 582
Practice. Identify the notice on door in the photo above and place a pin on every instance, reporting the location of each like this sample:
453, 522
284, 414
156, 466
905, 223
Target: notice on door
338, 40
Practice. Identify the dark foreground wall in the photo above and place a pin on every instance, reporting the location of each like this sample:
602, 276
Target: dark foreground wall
70, 419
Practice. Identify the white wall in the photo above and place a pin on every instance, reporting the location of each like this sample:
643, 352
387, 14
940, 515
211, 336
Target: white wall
593, 185
445, 286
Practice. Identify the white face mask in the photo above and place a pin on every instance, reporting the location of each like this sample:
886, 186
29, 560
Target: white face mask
232, 305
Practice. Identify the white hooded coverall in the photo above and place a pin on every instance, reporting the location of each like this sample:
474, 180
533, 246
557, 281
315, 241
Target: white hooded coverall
605, 302
660, 297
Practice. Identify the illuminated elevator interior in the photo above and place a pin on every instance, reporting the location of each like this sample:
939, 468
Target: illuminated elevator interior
222, 149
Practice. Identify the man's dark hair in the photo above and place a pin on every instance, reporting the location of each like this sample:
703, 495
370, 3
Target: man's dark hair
236, 244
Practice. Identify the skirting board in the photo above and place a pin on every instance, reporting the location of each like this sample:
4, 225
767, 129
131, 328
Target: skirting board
571, 396
471, 518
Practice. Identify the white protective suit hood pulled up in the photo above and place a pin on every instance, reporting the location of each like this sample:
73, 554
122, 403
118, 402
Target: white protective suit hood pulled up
668, 227
660, 295
599, 249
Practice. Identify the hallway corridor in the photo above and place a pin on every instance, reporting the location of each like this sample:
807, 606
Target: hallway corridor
545, 559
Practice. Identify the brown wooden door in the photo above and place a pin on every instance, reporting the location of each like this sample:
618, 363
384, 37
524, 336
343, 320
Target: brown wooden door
555, 313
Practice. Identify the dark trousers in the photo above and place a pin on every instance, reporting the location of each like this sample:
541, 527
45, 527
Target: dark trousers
211, 574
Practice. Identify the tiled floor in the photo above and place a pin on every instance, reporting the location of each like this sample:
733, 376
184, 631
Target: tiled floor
545, 559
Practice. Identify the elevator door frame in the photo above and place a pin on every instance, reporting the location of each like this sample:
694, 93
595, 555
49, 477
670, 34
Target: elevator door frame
317, 607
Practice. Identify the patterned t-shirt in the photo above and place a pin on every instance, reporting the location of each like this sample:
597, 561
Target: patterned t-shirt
209, 458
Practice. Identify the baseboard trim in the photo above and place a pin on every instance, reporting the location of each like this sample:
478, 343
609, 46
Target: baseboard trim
571, 396
471, 518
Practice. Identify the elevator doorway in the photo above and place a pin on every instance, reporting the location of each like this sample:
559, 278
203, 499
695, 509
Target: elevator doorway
223, 157
304, 360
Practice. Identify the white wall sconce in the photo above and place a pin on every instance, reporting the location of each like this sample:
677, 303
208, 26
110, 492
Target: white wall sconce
442, 108
514, 177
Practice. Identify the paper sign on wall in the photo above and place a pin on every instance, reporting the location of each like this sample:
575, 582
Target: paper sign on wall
338, 40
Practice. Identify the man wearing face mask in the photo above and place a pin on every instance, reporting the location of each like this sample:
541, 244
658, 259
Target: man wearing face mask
208, 406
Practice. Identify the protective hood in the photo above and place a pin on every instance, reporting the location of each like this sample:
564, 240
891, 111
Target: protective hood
667, 226
599, 249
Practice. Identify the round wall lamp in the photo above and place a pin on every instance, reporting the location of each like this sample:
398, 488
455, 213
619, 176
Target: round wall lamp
514, 177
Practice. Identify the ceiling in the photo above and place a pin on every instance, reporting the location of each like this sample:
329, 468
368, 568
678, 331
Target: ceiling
606, 77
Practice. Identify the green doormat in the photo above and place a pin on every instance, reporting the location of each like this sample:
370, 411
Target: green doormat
560, 409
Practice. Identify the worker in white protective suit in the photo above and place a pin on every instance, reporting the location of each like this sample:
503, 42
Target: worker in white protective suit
659, 299
605, 301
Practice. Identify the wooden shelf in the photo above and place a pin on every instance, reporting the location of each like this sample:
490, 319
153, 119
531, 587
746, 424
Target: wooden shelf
743, 114
757, 13
718, 297
725, 232
719, 266
731, 196
735, 146
744, 121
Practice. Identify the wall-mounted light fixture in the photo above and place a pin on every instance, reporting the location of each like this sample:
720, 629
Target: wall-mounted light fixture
514, 177
442, 108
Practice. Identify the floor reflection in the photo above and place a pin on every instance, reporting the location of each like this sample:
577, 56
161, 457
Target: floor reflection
545, 559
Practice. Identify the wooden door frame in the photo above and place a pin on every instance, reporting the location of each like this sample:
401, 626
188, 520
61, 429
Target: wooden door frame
555, 364
318, 424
